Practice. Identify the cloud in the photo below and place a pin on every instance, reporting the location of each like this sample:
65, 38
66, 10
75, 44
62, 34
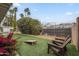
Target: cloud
35, 9
71, 4
77, 12
48, 18
68, 13
16, 4
72, 13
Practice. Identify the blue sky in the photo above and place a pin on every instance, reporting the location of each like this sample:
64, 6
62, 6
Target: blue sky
50, 12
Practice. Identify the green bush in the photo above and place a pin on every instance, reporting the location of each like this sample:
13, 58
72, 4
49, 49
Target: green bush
29, 26
71, 50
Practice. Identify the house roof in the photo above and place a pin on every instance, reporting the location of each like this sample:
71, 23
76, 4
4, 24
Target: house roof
62, 25
4, 7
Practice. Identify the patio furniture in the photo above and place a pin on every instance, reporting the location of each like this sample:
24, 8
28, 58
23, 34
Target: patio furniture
58, 46
31, 42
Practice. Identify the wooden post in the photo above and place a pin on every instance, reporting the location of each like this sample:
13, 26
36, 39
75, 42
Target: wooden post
77, 32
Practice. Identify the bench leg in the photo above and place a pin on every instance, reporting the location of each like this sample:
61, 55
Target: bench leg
63, 51
48, 48
65, 48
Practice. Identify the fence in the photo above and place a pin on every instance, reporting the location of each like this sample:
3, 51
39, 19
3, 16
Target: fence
57, 31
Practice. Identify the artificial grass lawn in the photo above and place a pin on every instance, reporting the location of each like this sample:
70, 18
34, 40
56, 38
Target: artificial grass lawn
39, 49
71, 50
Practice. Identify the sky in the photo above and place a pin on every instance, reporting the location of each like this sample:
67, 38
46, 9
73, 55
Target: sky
50, 12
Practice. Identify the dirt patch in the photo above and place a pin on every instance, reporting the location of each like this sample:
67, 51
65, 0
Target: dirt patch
46, 37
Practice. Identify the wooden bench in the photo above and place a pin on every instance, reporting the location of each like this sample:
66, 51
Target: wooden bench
31, 42
59, 46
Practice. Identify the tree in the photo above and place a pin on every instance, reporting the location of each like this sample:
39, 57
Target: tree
10, 17
34, 26
21, 15
28, 25
15, 23
27, 12
11, 12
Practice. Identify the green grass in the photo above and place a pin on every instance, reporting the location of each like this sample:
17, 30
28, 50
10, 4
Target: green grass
71, 50
40, 49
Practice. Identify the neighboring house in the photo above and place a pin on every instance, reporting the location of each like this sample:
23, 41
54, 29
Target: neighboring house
4, 7
62, 25
5, 28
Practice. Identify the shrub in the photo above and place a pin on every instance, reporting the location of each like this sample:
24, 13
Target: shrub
29, 26
7, 45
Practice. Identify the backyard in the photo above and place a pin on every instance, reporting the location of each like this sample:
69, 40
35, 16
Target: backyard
26, 34
40, 48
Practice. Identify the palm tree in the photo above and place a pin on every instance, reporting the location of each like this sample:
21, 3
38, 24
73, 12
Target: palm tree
27, 11
15, 10
15, 23
21, 15
11, 11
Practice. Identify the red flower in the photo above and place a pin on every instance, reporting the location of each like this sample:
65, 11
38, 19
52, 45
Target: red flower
1, 39
4, 52
4, 42
10, 35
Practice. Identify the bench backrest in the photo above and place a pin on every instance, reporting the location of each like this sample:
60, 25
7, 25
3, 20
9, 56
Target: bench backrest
67, 37
66, 42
